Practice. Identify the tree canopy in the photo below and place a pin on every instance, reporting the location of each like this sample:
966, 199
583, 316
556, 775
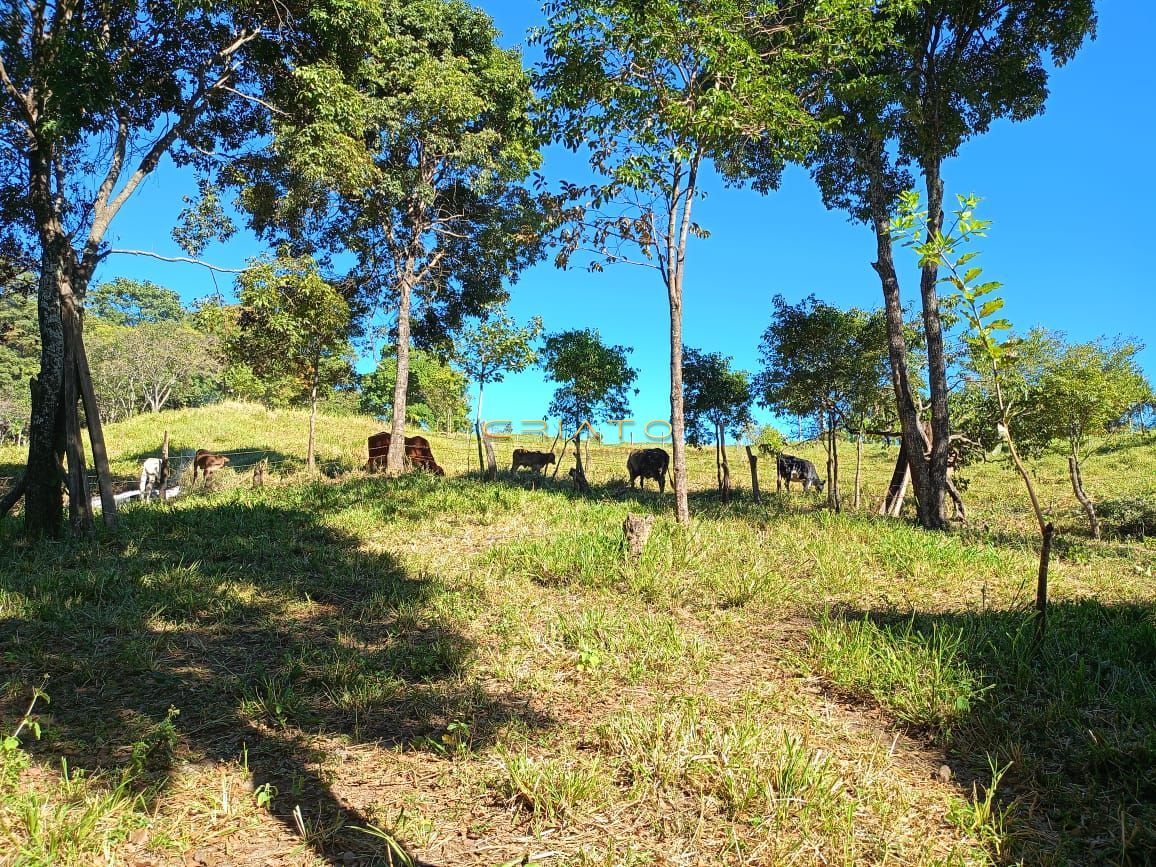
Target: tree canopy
594, 378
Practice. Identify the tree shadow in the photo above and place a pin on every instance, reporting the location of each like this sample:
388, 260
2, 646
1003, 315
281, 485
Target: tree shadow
265, 630
1072, 718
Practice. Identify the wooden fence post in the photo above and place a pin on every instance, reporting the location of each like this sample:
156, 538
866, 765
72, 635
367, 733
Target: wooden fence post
1042, 584
165, 468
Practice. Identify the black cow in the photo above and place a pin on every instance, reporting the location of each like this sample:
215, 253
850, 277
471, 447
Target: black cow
648, 464
793, 469
536, 461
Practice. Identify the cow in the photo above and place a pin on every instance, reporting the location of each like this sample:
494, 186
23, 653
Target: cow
793, 469
766, 450
417, 452
207, 462
648, 464
536, 461
154, 472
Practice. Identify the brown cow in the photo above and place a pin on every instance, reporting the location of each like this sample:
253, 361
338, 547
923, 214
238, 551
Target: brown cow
207, 462
536, 461
417, 452
648, 464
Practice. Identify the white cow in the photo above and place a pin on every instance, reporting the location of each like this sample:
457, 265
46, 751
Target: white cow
153, 474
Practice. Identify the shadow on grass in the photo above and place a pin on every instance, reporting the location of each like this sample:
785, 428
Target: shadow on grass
1073, 719
264, 629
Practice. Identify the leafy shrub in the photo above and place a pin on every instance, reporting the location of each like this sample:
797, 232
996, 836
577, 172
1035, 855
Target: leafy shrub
1129, 516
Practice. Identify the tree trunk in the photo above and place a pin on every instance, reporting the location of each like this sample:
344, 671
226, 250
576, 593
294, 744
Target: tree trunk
310, 458
677, 426
858, 468
79, 501
395, 458
897, 355
96, 431
897, 488
936, 357
43, 505
1085, 500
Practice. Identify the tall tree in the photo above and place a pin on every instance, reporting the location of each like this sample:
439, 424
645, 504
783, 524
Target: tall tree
490, 348
594, 380
955, 67
718, 402
147, 367
821, 361
409, 146
92, 97
654, 90
294, 323
436, 394
123, 301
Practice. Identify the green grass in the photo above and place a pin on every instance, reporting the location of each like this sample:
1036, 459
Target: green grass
475, 674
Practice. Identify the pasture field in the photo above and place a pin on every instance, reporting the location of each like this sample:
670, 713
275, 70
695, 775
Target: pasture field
440, 671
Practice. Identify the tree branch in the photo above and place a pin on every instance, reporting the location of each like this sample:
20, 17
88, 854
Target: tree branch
182, 259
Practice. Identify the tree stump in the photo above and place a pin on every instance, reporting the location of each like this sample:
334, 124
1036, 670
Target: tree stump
636, 529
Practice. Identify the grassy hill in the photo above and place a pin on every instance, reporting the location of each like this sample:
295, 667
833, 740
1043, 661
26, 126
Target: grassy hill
365, 670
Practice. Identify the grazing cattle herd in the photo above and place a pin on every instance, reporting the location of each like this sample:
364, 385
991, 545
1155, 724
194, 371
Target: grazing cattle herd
641, 464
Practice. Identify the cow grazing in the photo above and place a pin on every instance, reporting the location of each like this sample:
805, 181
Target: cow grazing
793, 469
207, 462
417, 452
154, 472
648, 464
536, 461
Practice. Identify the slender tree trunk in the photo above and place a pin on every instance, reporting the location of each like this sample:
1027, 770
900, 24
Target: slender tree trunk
310, 458
897, 355
678, 233
897, 487
1085, 500
677, 429
395, 458
726, 467
858, 469
936, 357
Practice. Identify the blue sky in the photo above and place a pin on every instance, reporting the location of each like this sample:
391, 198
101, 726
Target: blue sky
1069, 193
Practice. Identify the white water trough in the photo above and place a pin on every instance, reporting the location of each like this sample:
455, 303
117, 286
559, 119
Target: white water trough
130, 495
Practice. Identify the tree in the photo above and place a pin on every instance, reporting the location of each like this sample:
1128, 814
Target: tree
409, 147
954, 68
654, 90
492, 347
133, 302
594, 382
820, 361
295, 324
96, 95
436, 394
150, 366
718, 401
1082, 391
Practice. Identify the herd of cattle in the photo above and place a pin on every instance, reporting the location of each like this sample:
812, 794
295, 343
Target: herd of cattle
641, 464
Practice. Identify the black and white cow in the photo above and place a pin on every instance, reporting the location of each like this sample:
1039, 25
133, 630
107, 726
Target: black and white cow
793, 469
